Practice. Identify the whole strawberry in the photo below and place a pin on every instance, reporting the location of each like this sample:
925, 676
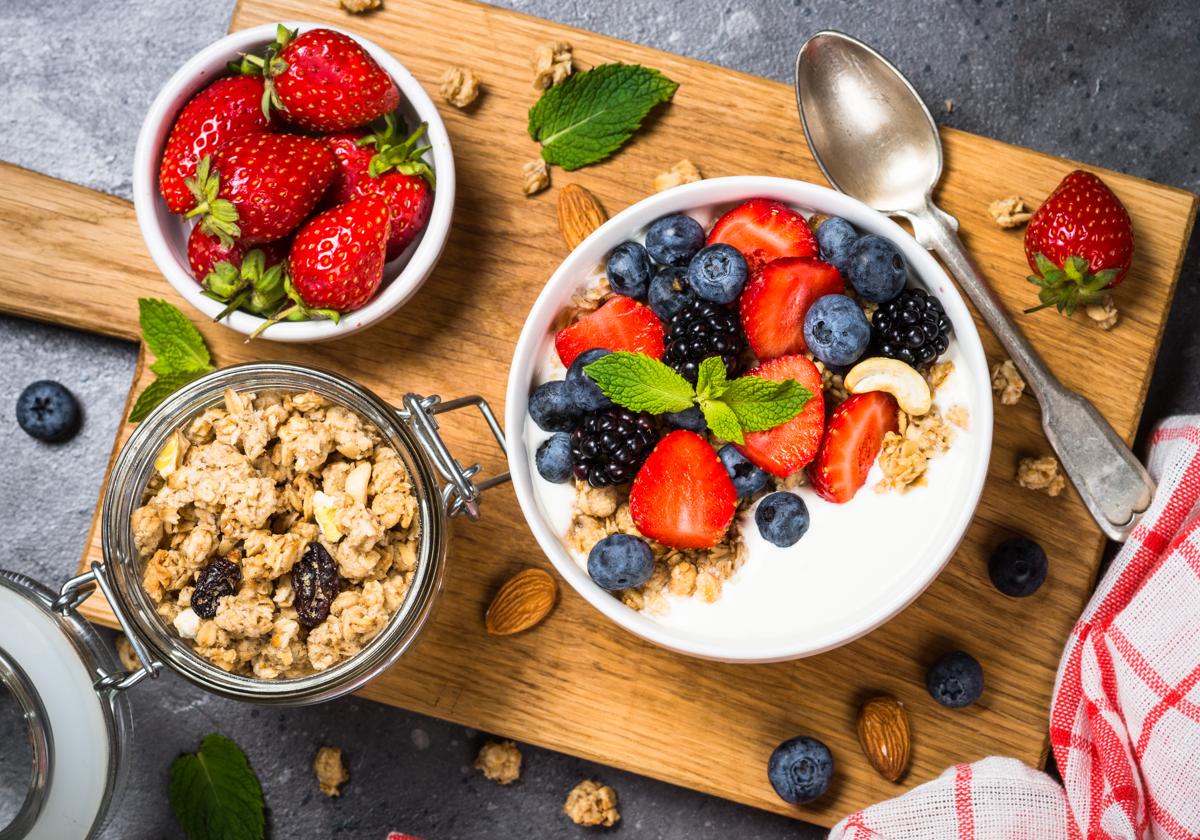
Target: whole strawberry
205, 252
226, 109
260, 187
337, 257
1078, 243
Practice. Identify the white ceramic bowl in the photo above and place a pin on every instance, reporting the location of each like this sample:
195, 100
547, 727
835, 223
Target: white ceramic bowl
796, 604
166, 234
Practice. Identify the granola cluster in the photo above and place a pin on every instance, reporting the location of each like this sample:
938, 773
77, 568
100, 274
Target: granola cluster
254, 481
591, 803
459, 86
330, 771
1041, 474
552, 62
906, 453
1007, 383
499, 761
683, 172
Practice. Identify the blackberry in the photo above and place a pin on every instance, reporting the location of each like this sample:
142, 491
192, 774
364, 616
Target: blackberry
701, 329
608, 447
912, 327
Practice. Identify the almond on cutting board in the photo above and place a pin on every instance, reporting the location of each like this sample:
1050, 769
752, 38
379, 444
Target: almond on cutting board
522, 602
579, 213
884, 736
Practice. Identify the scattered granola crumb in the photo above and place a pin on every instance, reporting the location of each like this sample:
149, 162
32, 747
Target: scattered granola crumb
1103, 315
905, 455
1007, 382
1010, 212
460, 86
1041, 474
684, 172
359, 6
499, 761
937, 374
959, 415
591, 803
535, 176
125, 654
708, 587
552, 63
590, 299
683, 579
331, 773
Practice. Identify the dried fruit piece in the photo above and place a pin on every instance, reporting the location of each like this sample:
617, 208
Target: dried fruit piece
325, 508
315, 583
330, 771
219, 578
521, 603
884, 736
579, 213
172, 453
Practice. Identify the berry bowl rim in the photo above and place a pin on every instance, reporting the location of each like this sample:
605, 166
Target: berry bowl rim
722, 192
402, 277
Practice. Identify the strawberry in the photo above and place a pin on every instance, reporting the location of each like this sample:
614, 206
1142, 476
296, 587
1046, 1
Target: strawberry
683, 496
205, 252
851, 445
259, 187
353, 163
337, 256
765, 230
787, 448
226, 109
323, 80
620, 324
1078, 243
776, 299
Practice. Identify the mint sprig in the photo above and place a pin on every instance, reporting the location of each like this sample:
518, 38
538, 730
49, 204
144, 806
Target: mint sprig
215, 794
592, 114
731, 407
180, 353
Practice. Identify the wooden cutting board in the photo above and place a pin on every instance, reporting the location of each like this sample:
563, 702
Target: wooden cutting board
577, 683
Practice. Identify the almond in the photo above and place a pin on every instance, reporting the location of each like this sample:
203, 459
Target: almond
884, 736
523, 601
579, 213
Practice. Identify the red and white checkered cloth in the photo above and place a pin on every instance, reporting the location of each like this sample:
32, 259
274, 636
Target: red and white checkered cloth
1125, 718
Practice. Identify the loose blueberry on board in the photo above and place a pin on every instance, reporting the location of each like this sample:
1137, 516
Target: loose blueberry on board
553, 458
670, 292
629, 270
782, 518
1018, 567
835, 238
875, 269
691, 419
674, 240
747, 478
717, 273
955, 680
836, 331
800, 769
46, 410
620, 561
583, 393
551, 408
912, 328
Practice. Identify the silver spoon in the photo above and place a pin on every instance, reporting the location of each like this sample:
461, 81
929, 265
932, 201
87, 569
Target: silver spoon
875, 140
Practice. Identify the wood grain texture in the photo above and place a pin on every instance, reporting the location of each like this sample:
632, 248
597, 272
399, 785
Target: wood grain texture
577, 683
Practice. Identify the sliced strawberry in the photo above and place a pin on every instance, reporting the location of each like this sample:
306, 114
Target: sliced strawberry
765, 230
620, 324
777, 298
785, 449
683, 496
852, 443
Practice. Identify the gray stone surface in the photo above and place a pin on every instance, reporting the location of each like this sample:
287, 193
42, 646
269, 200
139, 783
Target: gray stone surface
1107, 82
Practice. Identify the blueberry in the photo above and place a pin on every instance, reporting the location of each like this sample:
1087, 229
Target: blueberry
955, 680
553, 458
782, 518
800, 769
674, 240
836, 331
691, 419
551, 408
670, 292
875, 268
717, 273
583, 393
747, 478
47, 411
1018, 567
620, 561
629, 270
835, 236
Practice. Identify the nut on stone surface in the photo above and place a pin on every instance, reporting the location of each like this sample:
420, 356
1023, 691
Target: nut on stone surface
522, 602
579, 213
884, 736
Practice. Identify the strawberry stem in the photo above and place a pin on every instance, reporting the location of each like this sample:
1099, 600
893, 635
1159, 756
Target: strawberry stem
1069, 286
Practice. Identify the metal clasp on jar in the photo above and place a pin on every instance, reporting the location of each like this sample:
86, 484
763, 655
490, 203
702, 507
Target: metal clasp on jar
461, 493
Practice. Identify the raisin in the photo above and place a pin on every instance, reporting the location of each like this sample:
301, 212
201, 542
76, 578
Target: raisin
315, 584
219, 578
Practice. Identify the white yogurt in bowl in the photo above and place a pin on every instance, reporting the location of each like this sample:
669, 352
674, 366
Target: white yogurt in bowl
860, 562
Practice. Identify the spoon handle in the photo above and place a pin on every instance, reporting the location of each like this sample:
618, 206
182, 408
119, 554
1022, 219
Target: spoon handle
1114, 485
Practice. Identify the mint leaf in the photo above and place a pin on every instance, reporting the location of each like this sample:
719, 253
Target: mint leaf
176, 344
157, 391
215, 794
640, 383
591, 115
722, 422
710, 379
760, 404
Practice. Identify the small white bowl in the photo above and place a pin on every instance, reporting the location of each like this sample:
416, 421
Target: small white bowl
166, 234
816, 596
